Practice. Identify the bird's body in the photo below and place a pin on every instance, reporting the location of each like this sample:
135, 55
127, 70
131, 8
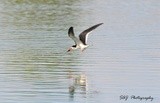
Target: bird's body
80, 46
81, 42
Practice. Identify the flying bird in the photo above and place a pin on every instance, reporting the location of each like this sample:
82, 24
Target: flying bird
81, 42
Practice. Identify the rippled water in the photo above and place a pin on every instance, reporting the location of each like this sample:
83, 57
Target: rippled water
123, 57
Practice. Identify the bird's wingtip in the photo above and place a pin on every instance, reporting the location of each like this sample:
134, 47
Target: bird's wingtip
71, 27
99, 24
70, 30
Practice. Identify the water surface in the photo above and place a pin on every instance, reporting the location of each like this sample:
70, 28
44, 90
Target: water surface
123, 57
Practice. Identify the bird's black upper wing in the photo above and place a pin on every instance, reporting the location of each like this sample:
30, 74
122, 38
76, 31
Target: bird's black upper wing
72, 36
84, 35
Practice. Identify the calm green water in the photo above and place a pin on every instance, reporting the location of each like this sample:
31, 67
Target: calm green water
123, 57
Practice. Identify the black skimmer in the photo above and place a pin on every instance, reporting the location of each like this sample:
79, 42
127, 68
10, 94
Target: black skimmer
81, 42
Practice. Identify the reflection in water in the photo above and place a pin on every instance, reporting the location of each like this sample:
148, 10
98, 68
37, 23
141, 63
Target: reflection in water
81, 80
77, 83
34, 65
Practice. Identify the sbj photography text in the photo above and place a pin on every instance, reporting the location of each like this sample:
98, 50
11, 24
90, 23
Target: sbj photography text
134, 97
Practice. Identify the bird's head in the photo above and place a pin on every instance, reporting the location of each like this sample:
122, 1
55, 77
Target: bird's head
71, 48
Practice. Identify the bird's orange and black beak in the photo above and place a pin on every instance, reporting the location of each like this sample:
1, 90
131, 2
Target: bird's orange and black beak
69, 50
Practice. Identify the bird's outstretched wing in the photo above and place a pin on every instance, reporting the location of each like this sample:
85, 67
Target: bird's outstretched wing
72, 36
84, 35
